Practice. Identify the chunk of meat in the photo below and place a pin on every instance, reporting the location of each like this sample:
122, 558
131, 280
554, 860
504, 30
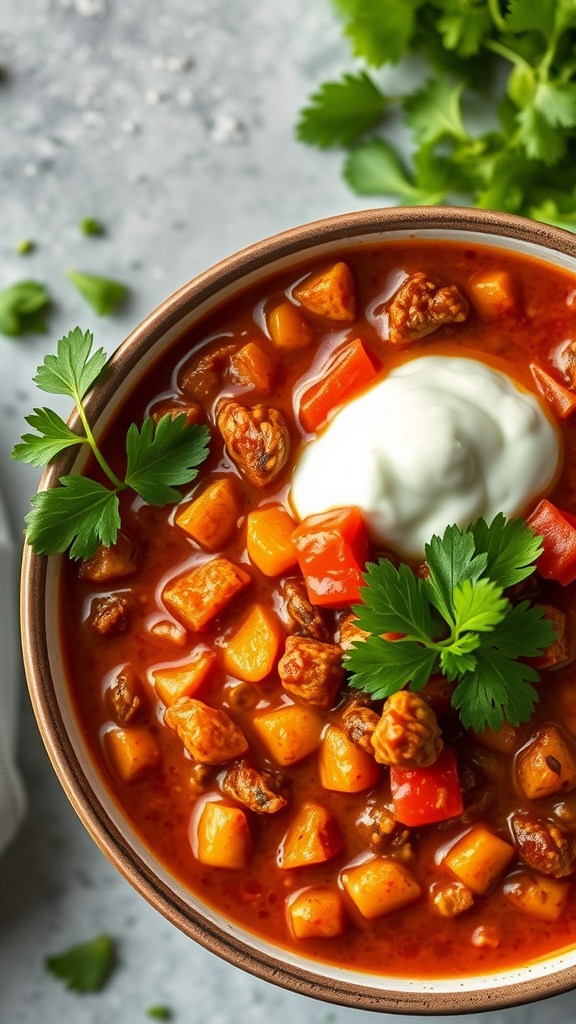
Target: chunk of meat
125, 697
111, 615
422, 305
198, 779
350, 631
311, 671
305, 618
260, 791
330, 294
257, 440
359, 723
383, 833
193, 411
451, 899
121, 559
204, 376
407, 735
543, 846
209, 735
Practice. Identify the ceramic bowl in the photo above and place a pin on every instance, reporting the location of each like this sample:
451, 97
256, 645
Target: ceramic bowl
59, 727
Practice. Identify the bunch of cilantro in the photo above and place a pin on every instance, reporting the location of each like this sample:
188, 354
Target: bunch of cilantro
511, 62
457, 620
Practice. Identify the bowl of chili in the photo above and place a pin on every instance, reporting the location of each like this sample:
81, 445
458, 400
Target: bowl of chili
198, 680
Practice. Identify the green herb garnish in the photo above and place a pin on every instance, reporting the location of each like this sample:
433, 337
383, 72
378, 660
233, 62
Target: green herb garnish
512, 62
82, 513
91, 226
87, 967
103, 294
159, 1012
24, 247
458, 621
23, 308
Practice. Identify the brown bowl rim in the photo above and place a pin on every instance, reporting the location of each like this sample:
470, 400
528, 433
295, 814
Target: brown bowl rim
167, 315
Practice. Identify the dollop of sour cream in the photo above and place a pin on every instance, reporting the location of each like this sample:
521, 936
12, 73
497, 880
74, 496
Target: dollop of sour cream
441, 440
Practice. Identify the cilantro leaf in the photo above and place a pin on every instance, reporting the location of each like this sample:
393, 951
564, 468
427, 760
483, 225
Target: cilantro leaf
381, 667
103, 294
433, 112
525, 632
341, 111
86, 967
80, 515
527, 15
451, 559
459, 657
464, 28
380, 30
511, 549
374, 168
53, 437
394, 602
497, 689
162, 456
478, 606
74, 369
23, 308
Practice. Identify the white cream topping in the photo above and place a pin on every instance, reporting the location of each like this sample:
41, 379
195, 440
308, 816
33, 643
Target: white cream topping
441, 440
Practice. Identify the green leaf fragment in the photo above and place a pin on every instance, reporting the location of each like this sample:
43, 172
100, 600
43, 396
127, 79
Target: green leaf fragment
381, 30
53, 437
84, 968
91, 226
381, 667
74, 369
374, 168
159, 1012
81, 514
433, 112
102, 293
23, 308
163, 456
340, 112
24, 247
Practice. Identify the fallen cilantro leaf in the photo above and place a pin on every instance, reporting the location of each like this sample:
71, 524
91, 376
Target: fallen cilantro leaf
159, 1012
91, 226
341, 111
23, 308
103, 294
86, 967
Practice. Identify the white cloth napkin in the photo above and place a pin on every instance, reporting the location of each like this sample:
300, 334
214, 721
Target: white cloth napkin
12, 802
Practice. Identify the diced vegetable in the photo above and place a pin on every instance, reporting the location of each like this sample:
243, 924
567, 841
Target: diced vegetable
269, 540
424, 795
344, 767
312, 838
542, 898
290, 733
350, 371
133, 752
493, 294
332, 549
330, 294
289, 329
503, 740
223, 836
380, 886
561, 400
111, 563
212, 517
316, 913
252, 650
545, 766
175, 681
558, 531
479, 858
254, 366
198, 596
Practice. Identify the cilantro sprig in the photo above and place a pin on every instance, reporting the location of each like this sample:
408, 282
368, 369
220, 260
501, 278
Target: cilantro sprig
458, 620
83, 513
512, 62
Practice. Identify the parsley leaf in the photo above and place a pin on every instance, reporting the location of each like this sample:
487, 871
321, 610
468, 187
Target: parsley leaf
511, 549
340, 112
74, 369
162, 456
433, 112
450, 560
53, 437
394, 602
23, 308
381, 667
103, 294
497, 689
80, 515
86, 967
380, 30
374, 168
479, 606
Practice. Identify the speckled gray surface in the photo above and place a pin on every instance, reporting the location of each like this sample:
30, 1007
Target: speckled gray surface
172, 122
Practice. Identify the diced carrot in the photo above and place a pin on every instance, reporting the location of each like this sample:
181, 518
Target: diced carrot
545, 766
198, 596
344, 766
133, 752
269, 540
254, 366
316, 913
493, 293
289, 329
558, 531
380, 886
113, 563
212, 517
332, 548
539, 897
561, 400
478, 858
223, 836
176, 681
252, 650
290, 733
330, 293
313, 837
349, 371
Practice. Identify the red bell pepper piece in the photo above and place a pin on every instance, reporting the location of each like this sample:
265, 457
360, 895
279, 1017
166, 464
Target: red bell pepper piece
332, 549
558, 531
561, 400
425, 795
349, 372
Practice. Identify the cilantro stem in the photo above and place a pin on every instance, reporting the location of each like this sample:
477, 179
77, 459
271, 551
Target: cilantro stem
118, 484
496, 15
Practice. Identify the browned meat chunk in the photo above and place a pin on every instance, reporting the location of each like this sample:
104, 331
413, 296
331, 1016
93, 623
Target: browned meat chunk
111, 615
125, 697
199, 774
350, 631
559, 652
543, 846
193, 411
422, 305
204, 377
359, 723
259, 791
311, 671
305, 619
257, 440
379, 828
451, 899
209, 735
407, 734
121, 559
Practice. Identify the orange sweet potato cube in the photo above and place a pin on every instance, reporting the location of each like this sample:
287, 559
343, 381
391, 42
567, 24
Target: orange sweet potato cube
133, 752
330, 293
478, 858
253, 366
316, 913
344, 766
199, 595
290, 733
380, 886
546, 765
223, 836
252, 650
536, 896
313, 837
493, 293
289, 329
213, 516
174, 681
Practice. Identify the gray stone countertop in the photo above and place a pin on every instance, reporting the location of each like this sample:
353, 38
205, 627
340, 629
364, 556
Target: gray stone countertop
172, 123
